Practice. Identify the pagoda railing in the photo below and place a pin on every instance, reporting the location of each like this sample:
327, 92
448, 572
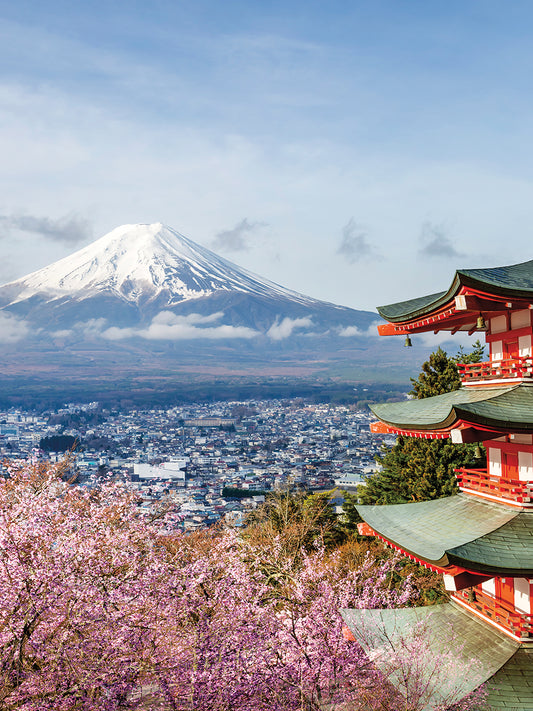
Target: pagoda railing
500, 612
521, 367
481, 481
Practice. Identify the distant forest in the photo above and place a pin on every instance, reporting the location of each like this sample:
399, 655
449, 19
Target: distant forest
30, 394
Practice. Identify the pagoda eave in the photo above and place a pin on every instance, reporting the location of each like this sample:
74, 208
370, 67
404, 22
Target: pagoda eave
473, 291
450, 319
503, 662
443, 567
454, 565
495, 410
462, 432
457, 533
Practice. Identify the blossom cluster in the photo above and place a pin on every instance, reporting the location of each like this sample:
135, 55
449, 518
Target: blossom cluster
103, 610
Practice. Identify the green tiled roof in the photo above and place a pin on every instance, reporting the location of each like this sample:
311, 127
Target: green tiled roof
502, 663
508, 547
511, 689
514, 407
507, 407
513, 280
461, 530
397, 312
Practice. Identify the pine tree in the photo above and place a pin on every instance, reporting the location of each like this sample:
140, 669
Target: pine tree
419, 469
440, 373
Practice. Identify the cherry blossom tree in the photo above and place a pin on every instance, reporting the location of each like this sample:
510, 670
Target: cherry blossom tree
102, 609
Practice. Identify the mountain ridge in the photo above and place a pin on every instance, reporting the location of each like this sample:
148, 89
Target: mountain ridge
145, 301
133, 259
135, 273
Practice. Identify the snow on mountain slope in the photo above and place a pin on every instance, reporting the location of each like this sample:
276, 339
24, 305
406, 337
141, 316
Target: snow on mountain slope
142, 262
149, 283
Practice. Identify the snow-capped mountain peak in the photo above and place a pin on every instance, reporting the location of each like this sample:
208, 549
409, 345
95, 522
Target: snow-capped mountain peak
151, 283
140, 262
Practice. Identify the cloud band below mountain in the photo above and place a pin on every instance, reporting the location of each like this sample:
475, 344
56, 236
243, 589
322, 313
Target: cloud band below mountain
284, 328
13, 329
167, 326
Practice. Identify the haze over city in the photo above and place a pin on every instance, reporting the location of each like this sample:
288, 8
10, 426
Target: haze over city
342, 150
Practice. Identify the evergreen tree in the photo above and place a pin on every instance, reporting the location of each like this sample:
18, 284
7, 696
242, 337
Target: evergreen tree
422, 469
350, 515
440, 373
58, 443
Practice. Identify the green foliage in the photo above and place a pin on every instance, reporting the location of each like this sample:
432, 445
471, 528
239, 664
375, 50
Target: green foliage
419, 469
233, 492
318, 508
350, 516
58, 443
476, 355
416, 470
440, 373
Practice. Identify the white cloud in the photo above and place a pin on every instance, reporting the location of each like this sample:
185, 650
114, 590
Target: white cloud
354, 245
93, 327
13, 329
283, 329
238, 239
437, 243
350, 331
89, 329
167, 318
167, 326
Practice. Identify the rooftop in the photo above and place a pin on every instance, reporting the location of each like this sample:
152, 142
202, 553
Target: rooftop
503, 663
499, 408
515, 280
461, 530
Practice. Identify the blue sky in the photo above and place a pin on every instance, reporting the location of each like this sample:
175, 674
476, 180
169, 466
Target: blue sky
357, 152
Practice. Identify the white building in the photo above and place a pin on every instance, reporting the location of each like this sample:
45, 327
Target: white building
173, 469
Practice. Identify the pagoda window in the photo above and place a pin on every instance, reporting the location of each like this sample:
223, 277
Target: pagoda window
522, 595
496, 351
498, 324
525, 466
520, 319
494, 457
524, 346
489, 587
513, 460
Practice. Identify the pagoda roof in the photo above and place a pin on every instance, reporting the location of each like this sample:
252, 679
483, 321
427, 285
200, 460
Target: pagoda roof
513, 281
462, 530
450, 630
495, 408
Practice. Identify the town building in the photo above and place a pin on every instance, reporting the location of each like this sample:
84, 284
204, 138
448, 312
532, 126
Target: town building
173, 469
481, 540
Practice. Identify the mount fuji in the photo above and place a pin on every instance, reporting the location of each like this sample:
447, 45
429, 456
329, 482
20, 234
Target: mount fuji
144, 308
149, 283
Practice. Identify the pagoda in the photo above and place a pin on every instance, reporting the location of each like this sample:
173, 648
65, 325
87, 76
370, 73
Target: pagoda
480, 540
